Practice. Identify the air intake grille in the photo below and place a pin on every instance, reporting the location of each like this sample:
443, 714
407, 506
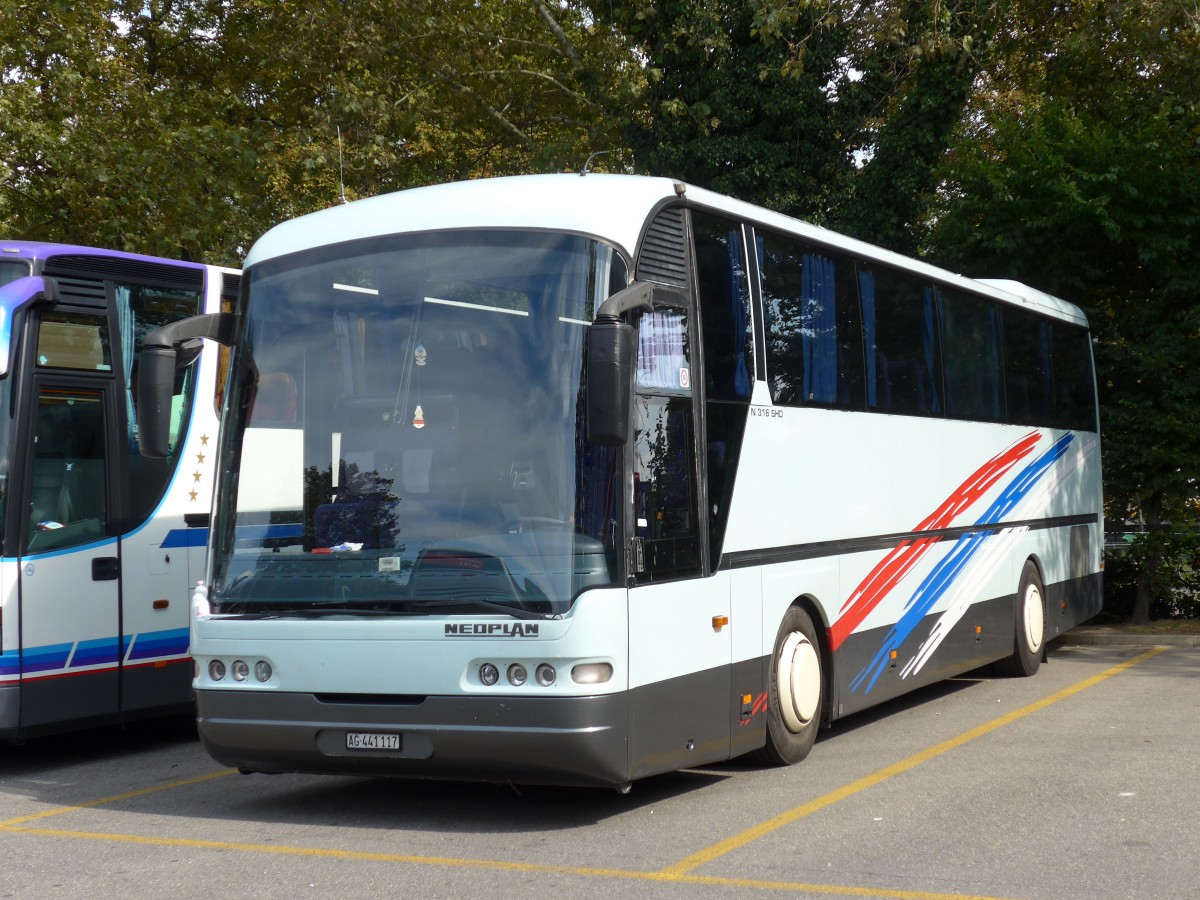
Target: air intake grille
231, 285
663, 256
129, 270
81, 291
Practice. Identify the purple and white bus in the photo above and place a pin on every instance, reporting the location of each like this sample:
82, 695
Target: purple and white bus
98, 544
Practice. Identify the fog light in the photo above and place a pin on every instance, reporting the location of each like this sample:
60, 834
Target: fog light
517, 675
240, 670
216, 670
545, 674
591, 673
262, 670
489, 674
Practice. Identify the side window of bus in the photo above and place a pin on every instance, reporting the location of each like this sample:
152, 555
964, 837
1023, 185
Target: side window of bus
140, 310
971, 349
903, 360
664, 488
813, 325
662, 361
1028, 390
1074, 395
724, 307
68, 503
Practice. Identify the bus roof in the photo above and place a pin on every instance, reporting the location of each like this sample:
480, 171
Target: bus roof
41, 251
613, 207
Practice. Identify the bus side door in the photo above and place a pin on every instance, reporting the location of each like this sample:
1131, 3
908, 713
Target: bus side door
680, 642
70, 563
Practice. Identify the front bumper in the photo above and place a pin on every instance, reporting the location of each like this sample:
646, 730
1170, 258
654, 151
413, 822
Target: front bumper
562, 740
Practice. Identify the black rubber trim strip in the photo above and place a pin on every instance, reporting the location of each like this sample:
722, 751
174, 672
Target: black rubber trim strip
742, 559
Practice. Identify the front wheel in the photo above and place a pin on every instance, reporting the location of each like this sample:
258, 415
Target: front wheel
1030, 625
796, 686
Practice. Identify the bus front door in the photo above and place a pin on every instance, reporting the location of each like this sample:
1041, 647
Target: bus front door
69, 578
680, 636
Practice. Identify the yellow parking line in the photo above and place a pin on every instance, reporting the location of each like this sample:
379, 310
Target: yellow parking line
115, 798
750, 835
679, 873
498, 865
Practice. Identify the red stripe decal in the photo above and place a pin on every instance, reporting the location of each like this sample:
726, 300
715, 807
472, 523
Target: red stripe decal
900, 561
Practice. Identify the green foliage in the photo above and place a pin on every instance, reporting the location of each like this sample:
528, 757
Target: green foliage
117, 135
736, 99
1078, 171
834, 111
188, 127
1166, 564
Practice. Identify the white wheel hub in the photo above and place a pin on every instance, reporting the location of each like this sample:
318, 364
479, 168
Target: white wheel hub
1033, 618
798, 677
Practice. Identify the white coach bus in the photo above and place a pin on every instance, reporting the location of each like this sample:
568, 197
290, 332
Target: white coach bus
99, 546
577, 480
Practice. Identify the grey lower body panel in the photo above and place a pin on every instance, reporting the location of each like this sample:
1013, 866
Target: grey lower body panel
866, 673
572, 740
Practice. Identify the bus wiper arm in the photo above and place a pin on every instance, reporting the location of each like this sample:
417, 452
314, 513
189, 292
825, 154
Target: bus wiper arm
314, 612
516, 612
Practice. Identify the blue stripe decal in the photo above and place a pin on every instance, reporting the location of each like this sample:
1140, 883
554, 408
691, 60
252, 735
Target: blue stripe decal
945, 572
185, 537
43, 659
269, 532
102, 652
160, 643
198, 537
95, 653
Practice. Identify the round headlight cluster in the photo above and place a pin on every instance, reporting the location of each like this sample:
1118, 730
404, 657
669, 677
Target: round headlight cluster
517, 674
240, 670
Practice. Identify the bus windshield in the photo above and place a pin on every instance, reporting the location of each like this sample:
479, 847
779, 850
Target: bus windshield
11, 271
409, 415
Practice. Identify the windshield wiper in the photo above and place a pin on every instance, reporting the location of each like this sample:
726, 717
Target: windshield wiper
311, 612
516, 612
393, 608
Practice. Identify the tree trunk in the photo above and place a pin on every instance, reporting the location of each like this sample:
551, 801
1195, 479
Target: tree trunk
1141, 602
1151, 512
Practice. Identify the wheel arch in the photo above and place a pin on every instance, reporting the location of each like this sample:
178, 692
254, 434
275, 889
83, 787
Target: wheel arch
808, 603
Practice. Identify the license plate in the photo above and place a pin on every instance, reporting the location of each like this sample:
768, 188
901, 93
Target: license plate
367, 740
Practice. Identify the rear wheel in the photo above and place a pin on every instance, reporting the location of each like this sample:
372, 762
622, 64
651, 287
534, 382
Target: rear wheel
796, 687
1030, 625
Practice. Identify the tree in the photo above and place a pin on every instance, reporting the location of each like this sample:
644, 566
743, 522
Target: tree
188, 127
114, 129
1078, 172
838, 112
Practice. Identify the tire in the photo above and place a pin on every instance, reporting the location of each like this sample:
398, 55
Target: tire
1030, 619
796, 689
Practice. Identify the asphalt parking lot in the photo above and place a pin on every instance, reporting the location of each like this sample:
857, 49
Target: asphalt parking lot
1079, 782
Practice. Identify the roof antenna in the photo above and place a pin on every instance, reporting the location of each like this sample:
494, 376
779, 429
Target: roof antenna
584, 170
341, 167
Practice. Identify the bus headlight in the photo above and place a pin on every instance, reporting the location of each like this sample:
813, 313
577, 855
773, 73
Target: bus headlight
489, 674
262, 670
517, 675
216, 670
240, 670
591, 673
545, 674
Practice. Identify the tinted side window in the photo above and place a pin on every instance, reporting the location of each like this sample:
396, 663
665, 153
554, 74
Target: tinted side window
663, 498
814, 331
724, 307
1074, 395
904, 370
971, 353
1027, 387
